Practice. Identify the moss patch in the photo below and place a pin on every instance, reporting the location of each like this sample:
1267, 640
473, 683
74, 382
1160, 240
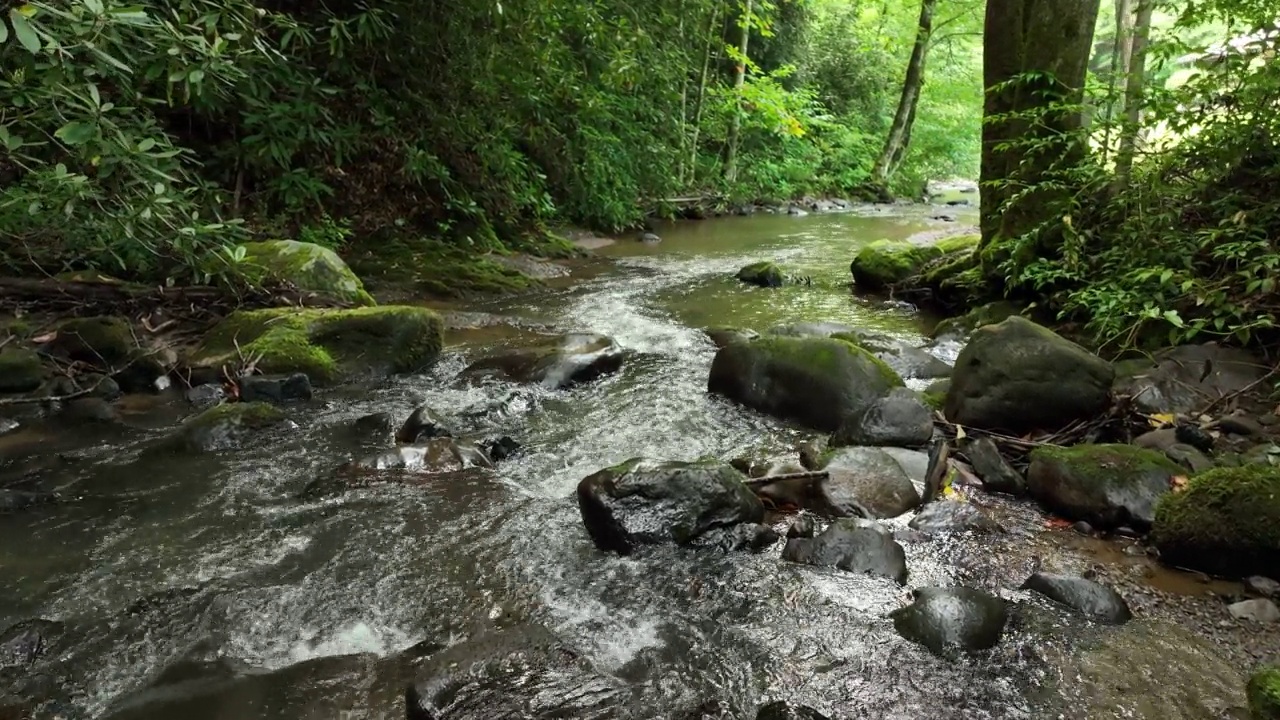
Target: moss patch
436, 268
1106, 463
1264, 693
959, 243
1226, 522
96, 340
981, 316
20, 370
224, 427
885, 262
1105, 485
307, 266
326, 343
820, 355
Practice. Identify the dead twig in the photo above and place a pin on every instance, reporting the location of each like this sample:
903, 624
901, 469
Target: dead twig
771, 479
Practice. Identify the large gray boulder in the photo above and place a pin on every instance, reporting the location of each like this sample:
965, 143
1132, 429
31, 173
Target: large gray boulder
1186, 378
866, 479
1017, 376
817, 382
900, 419
854, 545
1105, 485
952, 618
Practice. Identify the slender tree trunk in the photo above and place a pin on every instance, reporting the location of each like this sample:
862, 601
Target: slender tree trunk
1121, 51
1133, 94
899, 139
702, 93
682, 123
739, 79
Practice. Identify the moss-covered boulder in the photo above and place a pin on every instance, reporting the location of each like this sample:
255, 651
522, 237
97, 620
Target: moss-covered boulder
224, 427
100, 341
722, 336
981, 316
762, 274
1018, 376
906, 360
817, 382
1226, 522
20, 370
1105, 485
885, 262
326, 343
1264, 693
307, 266
957, 244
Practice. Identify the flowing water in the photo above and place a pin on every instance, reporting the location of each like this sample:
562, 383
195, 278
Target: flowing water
168, 566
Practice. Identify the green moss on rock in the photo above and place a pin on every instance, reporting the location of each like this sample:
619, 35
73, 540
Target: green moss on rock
886, 262
1105, 485
96, 340
763, 274
1264, 693
959, 243
224, 427
327, 343
306, 266
981, 316
1226, 522
20, 370
437, 268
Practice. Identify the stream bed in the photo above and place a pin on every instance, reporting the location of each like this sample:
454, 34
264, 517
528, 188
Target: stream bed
205, 586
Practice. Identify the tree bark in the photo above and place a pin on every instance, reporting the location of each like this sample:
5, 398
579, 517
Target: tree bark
1121, 52
1036, 53
899, 139
702, 93
1133, 95
739, 80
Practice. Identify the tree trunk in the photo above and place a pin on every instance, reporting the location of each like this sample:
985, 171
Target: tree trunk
1036, 53
1133, 94
1121, 51
899, 139
702, 93
739, 79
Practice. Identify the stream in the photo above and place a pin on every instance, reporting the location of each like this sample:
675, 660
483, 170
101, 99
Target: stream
181, 572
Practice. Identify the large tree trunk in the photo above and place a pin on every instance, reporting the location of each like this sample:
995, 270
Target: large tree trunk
739, 79
1024, 139
1133, 94
899, 139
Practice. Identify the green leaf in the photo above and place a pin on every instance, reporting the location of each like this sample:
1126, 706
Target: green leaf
4, 31
76, 132
95, 6
23, 31
146, 144
195, 76
1174, 318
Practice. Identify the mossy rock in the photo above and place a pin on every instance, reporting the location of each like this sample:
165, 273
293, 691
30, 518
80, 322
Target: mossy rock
959, 243
1264, 693
307, 266
762, 274
20, 370
1105, 485
935, 396
224, 427
326, 343
981, 316
886, 262
438, 268
1226, 522
96, 340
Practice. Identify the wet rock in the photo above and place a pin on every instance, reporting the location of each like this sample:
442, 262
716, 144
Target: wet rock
1183, 379
501, 448
958, 327
854, 545
951, 516
306, 266
100, 386
13, 500
562, 362
1082, 527
89, 410
1160, 440
1195, 436
642, 502
749, 537
1225, 522
898, 419
868, 479
1262, 586
422, 424
1017, 376
206, 395
434, 457
811, 330
943, 619
1264, 693
907, 360
275, 388
21, 644
226, 427
374, 426
914, 463
786, 711
991, 467
1188, 457
802, 526
814, 381
885, 262
727, 336
20, 370
650, 238
762, 274
1240, 425
1258, 610
811, 453
1098, 602
103, 342
1105, 485
796, 212
8, 425
325, 344
530, 266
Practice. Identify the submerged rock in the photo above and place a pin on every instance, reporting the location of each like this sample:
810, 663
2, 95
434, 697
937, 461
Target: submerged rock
899, 419
854, 545
994, 471
863, 478
1226, 522
814, 381
786, 711
12, 500
641, 502
1094, 600
422, 424
1017, 376
22, 643
1107, 486
275, 388
436, 456
1183, 379
225, 427
20, 370
751, 537
565, 361
762, 274
886, 262
1264, 693
944, 619
306, 266
952, 516
722, 336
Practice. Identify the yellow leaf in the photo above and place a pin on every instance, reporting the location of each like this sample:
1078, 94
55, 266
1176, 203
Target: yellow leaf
26, 11
1161, 419
960, 433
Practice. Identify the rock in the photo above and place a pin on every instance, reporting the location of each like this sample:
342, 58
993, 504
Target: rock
89, 410
817, 382
1264, 693
786, 711
727, 336
326, 344
8, 425
812, 452
643, 502
885, 262
1098, 602
1194, 435
373, 426
530, 266
437, 456
989, 314
746, 536
20, 370
906, 360
854, 545
104, 342
935, 396
311, 268
802, 526
1160, 440
762, 274
994, 471
1105, 485
99, 386
1188, 457
501, 448
206, 395
899, 419
1262, 586
866, 478
943, 619
423, 424
1259, 610
560, 363
1082, 527
811, 330
275, 388
1225, 522
1182, 379
914, 463
796, 212
22, 643
1017, 376
951, 516
225, 427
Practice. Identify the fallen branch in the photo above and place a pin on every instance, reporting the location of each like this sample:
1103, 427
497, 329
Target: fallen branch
4, 402
771, 479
